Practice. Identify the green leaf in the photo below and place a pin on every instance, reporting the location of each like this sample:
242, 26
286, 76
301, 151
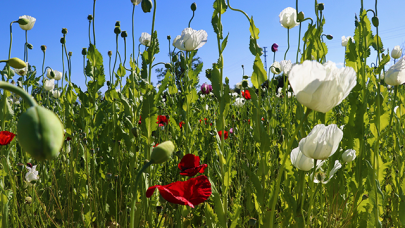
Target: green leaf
94, 56
121, 71
259, 74
224, 43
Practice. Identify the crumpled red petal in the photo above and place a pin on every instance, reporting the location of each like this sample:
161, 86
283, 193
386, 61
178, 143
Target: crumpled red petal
6, 137
190, 165
191, 192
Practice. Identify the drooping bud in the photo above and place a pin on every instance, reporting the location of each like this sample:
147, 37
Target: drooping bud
329, 37
194, 6
146, 6
29, 46
16, 63
245, 77
124, 34
245, 83
162, 152
175, 58
40, 133
28, 200
168, 65
23, 21
84, 51
110, 53
274, 47
90, 17
43, 48
321, 6
117, 30
64, 31
301, 16
375, 21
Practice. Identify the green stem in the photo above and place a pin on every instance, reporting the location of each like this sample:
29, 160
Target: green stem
312, 193
20, 92
153, 43
94, 19
288, 42
190, 20
135, 196
277, 186
133, 34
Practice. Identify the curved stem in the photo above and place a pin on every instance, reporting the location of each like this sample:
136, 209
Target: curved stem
288, 42
94, 19
190, 20
116, 53
20, 92
11, 39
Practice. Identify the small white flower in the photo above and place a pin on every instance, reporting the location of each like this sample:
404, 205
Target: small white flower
396, 52
396, 73
49, 84
345, 40
56, 93
206, 107
275, 68
190, 39
30, 23
239, 102
349, 155
238, 85
145, 39
234, 94
22, 71
202, 95
288, 18
57, 74
136, 2
32, 174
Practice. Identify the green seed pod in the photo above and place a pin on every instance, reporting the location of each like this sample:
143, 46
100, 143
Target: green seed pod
321, 6
110, 53
375, 21
40, 133
168, 65
117, 23
175, 58
62, 40
245, 77
329, 37
43, 48
134, 131
64, 31
124, 34
84, 51
90, 17
146, 6
29, 46
168, 37
193, 6
226, 80
117, 30
16, 63
162, 152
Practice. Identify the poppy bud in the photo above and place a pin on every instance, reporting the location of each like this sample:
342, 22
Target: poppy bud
329, 37
375, 21
40, 133
301, 16
29, 46
118, 23
365, 197
146, 6
168, 65
62, 40
245, 83
162, 152
28, 200
169, 37
134, 132
70, 54
23, 21
43, 48
52, 74
108, 83
321, 6
117, 30
245, 77
226, 80
15, 63
175, 58
64, 31
110, 53
90, 17
124, 34
274, 47
84, 51
252, 222
194, 6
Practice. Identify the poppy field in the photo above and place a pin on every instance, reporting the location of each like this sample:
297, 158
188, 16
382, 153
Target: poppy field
306, 143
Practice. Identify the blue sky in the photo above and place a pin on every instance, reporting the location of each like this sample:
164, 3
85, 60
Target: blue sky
172, 17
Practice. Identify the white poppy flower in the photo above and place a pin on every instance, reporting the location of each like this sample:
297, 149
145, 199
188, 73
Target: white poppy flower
318, 88
136, 2
396, 73
239, 102
345, 40
320, 177
288, 18
145, 39
190, 39
238, 85
322, 142
49, 84
396, 52
30, 24
57, 74
32, 175
56, 93
285, 66
22, 71
275, 68
300, 161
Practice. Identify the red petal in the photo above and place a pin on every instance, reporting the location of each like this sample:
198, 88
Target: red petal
6, 137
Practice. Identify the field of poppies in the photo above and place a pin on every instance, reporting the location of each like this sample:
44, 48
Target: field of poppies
309, 144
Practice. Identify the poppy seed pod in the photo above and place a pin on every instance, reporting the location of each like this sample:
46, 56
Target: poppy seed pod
16, 63
64, 31
43, 48
110, 53
162, 152
245, 83
168, 65
62, 40
193, 6
117, 30
90, 17
117, 23
146, 6
168, 37
124, 34
40, 133
321, 6
29, 46
84, 51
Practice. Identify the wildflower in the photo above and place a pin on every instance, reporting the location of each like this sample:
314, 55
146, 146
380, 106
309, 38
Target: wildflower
205, 88
145, 39
31, 22
396, 73
345, 40
6, 137
288, 18
162, 120
190, 39
349, 155
246, 95
190, 165
274, 47
49, 84
32, 176
396, 52
225, 135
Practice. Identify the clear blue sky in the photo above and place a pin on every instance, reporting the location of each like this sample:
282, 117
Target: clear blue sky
172, 17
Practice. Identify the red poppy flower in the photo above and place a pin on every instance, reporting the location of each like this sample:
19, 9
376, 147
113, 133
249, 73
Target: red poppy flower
162, 120
191, 192
6, 137
140, 120
181, 124
190, 165
246, 94
262, 118
205, 120
156, 145
225, 135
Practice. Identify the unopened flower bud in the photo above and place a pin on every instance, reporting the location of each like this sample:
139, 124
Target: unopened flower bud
252, 222
28, 200
321, 6
84, 51
245, 77
194, 6
274, 47
70, 54
90, 17
169, 37
329, 37
134, 131
117, 23
29, 46
64, 31
245, 83
226, 80
168, 65
375, 21
23, 21
124, 34
146, 6
43, 48
117, 30
110, 53
16, 63
175, 58
108, 83
62, 40
162, 152
52, 74
301, 16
